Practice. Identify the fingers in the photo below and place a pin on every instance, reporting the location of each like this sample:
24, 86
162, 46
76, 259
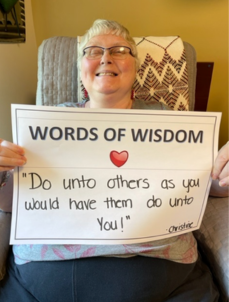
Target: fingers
11, 156
221, 167
10, 146
7, 164
224, 182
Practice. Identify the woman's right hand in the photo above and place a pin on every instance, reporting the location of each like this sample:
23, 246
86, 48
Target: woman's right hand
11, 156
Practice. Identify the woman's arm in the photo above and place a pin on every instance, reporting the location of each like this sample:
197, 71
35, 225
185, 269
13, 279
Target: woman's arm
6, 191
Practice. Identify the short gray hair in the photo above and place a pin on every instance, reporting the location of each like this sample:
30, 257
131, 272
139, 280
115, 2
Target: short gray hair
101, 27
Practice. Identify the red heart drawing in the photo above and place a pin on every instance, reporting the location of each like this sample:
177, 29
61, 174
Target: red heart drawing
119, 159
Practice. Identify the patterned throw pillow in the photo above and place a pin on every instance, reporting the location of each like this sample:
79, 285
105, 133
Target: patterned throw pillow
162, 75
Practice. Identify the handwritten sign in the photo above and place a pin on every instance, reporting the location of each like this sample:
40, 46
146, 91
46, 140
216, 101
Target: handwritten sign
110, 176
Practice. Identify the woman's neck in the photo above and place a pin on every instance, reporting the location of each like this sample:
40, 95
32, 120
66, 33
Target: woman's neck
110, 103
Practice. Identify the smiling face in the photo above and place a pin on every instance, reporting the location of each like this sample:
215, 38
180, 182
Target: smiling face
108, 79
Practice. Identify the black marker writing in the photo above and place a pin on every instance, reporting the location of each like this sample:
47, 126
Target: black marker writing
180, 227
190, 183
71, 183
119, 182
180, 201
112, 203
42, 204
82, 204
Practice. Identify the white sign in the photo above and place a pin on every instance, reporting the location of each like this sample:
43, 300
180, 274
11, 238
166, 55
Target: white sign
110, 176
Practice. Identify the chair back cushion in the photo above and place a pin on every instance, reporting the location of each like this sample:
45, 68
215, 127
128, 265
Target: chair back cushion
57, 71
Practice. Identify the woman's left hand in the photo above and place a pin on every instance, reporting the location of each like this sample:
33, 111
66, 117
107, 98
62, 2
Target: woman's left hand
221, 167
220, 173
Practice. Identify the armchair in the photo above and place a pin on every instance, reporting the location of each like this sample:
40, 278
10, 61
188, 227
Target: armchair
59, 81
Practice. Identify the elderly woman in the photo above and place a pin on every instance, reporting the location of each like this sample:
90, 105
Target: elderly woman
164, 270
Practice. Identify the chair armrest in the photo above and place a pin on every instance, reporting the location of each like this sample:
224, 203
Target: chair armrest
212, 239
5, 222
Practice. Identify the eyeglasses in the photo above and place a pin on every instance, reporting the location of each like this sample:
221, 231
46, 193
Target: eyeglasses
117, 52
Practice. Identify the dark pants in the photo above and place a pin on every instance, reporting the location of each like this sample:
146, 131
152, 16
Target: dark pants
102, 279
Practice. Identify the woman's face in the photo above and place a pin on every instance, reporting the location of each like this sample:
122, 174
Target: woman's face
108, 76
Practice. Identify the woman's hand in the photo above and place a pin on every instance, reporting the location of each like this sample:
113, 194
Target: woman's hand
11, 156
220, 173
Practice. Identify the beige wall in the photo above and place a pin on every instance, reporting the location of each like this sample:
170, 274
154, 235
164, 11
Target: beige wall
18, 74
203, 23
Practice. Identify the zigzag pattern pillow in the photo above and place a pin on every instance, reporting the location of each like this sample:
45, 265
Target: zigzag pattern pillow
163, 74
